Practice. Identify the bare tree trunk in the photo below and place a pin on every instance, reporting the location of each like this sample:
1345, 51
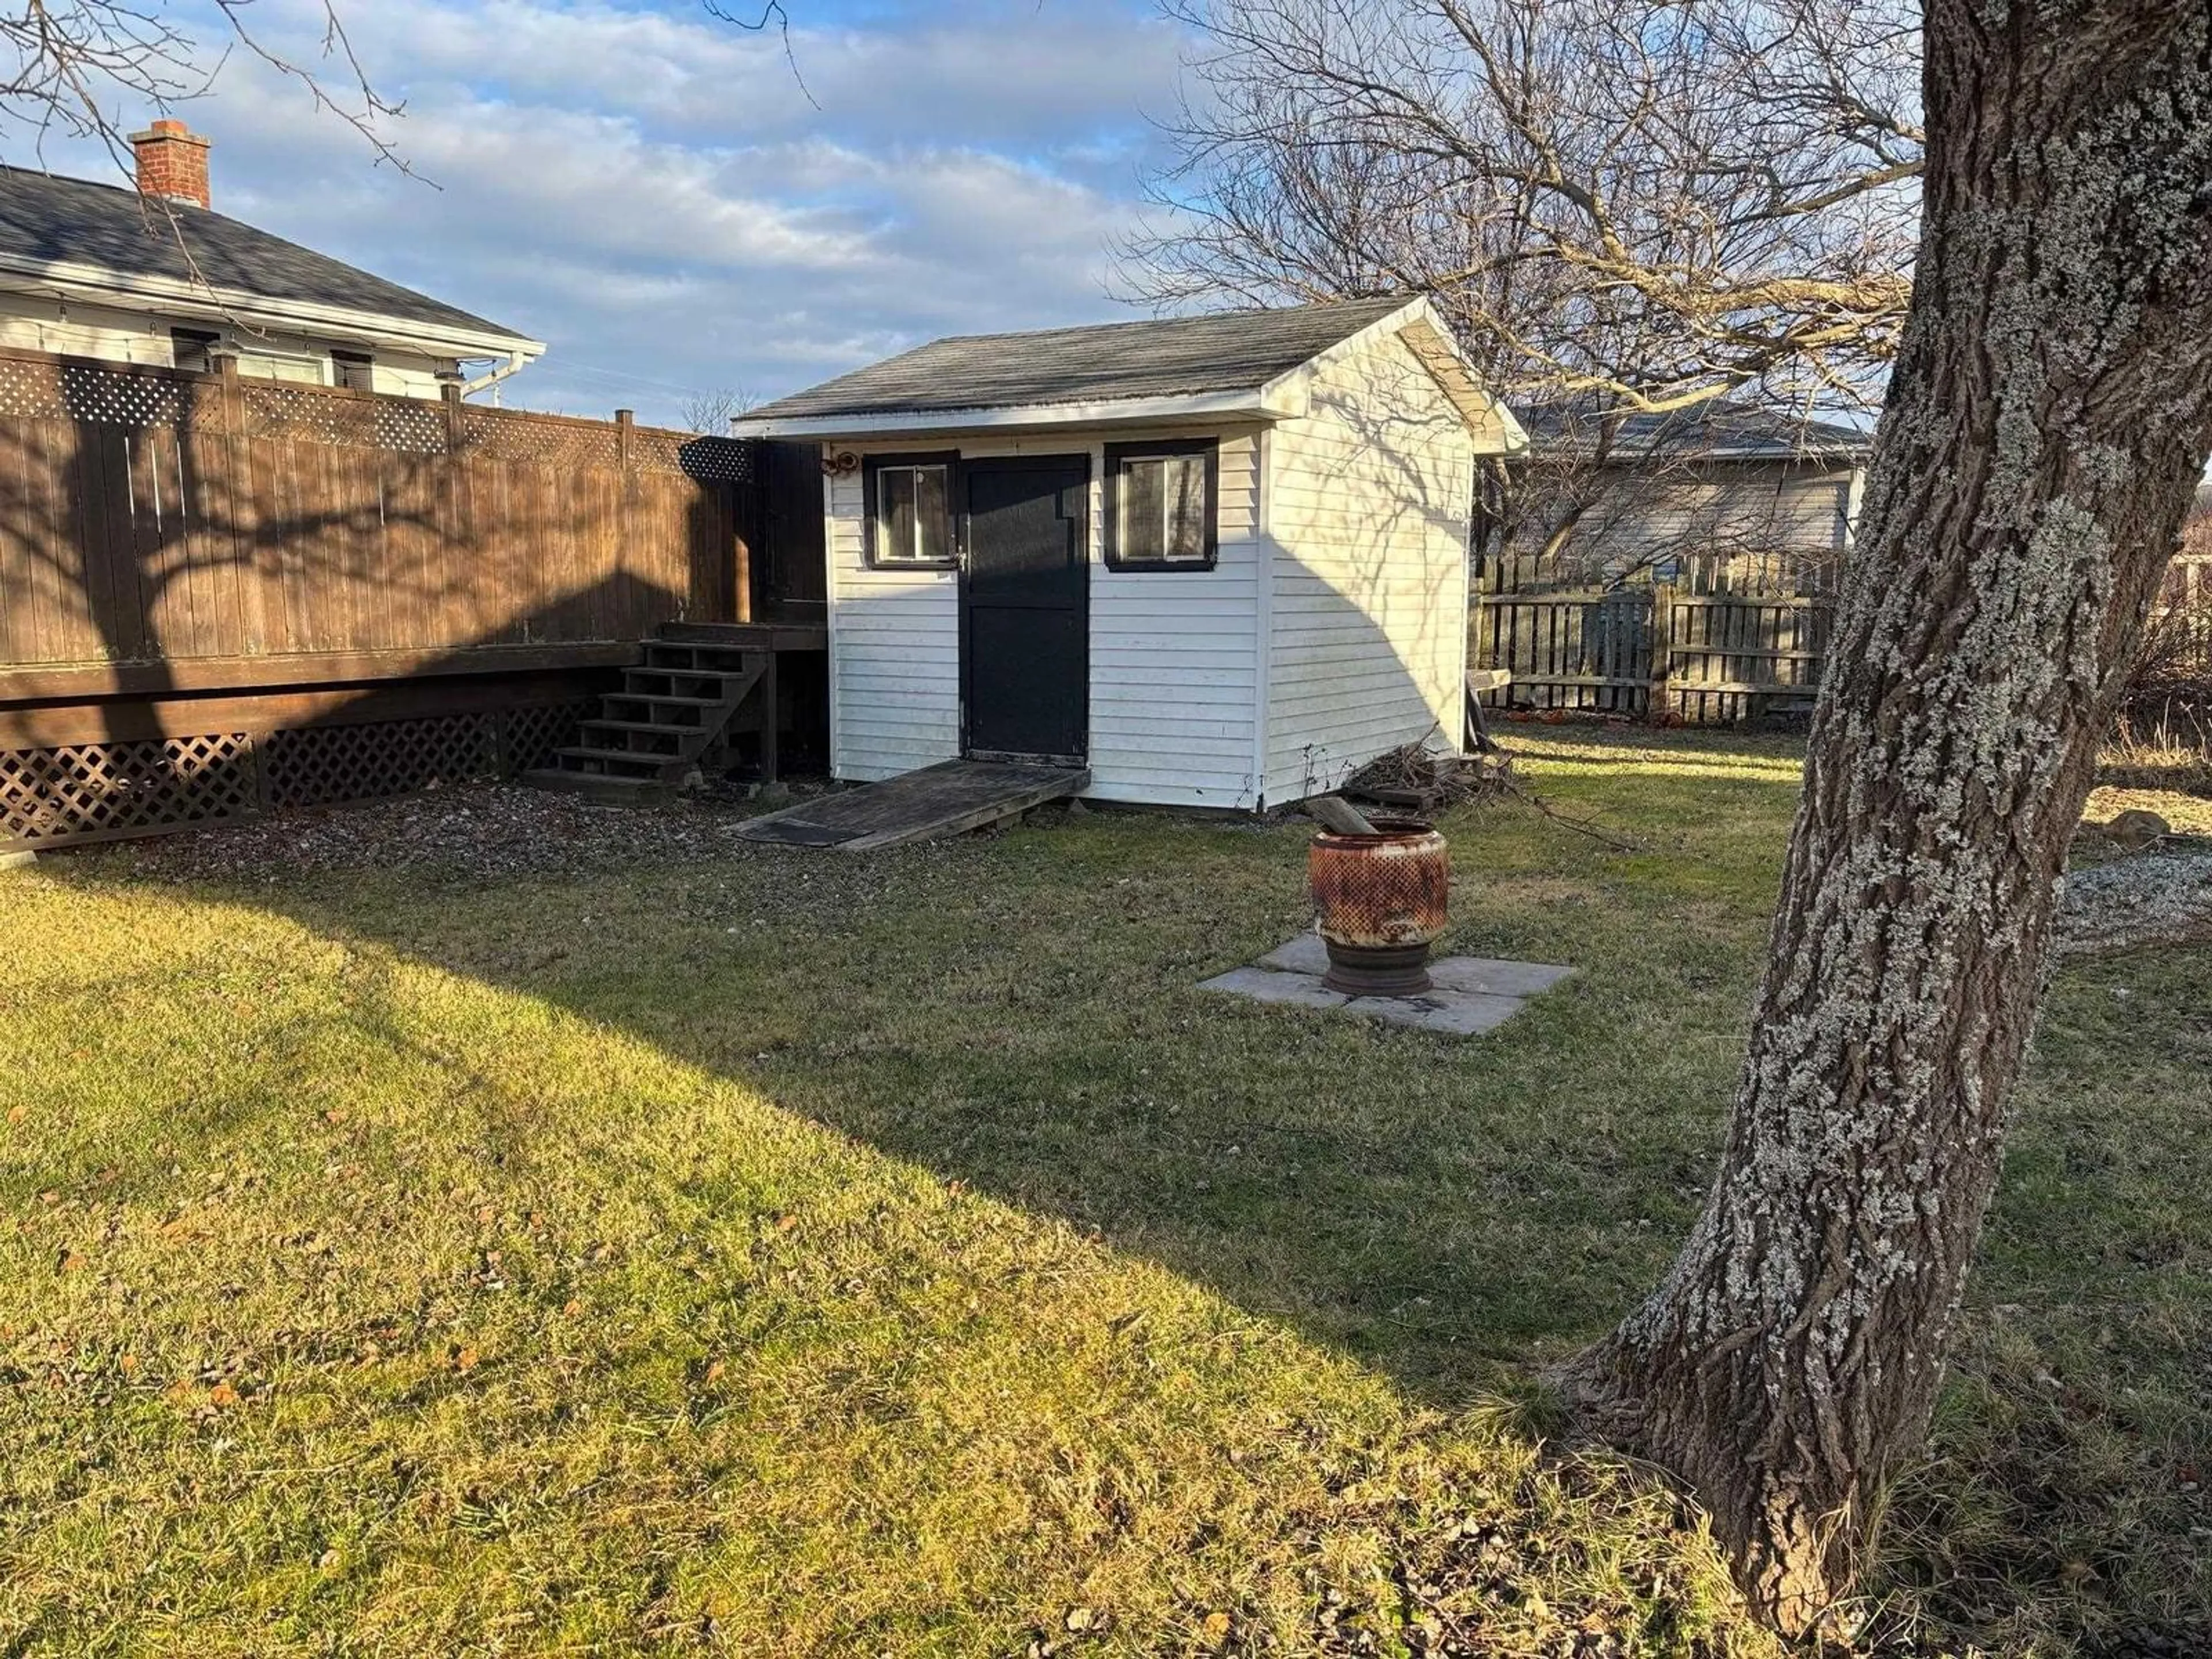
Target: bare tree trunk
2048, 420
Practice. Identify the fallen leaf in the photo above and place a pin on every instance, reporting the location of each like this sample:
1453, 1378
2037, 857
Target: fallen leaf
572, 1306
334, 1116
70, 1262
127, 1364
786, 1222
715, 1371
222, 1394
17, 1114
1215, 1628
1080, 1618
465, 1359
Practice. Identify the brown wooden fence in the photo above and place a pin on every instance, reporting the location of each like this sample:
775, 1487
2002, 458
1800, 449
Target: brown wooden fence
1647, 651
220, 595
152, 516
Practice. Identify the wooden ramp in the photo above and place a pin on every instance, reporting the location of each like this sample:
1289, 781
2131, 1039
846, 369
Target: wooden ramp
938, 800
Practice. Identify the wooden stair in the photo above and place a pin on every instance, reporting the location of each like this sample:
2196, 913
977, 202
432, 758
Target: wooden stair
675, 712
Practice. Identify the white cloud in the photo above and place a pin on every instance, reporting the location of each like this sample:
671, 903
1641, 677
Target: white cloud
651, 190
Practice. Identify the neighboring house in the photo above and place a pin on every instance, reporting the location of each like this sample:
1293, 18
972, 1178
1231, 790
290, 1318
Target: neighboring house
154, 276
1219, 561
1723, 496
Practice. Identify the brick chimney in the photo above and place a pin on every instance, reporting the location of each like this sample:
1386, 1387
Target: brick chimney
172, 162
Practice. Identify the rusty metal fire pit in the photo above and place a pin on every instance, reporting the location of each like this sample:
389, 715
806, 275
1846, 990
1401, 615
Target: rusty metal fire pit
1381, 902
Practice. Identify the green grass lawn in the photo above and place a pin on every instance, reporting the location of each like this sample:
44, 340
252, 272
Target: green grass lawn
788, 1253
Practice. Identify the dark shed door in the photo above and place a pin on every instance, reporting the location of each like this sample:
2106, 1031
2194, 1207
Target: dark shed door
1025, 606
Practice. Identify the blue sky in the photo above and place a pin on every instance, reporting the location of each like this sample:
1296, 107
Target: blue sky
650, 189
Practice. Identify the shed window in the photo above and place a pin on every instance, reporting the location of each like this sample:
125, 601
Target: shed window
1162, 503
910, 512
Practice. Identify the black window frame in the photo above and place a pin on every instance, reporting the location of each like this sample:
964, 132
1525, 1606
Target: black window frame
870, 467
1155, 450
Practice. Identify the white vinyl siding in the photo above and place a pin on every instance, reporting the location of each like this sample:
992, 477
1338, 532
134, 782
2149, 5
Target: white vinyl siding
1174, 653
894, 653
39, 323
1174, 656
1371, 489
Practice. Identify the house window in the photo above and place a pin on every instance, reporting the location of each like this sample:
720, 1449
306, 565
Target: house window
909, 510
193, 349
284, 366
356, 370
1162, 502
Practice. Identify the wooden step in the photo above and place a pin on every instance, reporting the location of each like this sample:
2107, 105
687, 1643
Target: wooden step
607, 735
724, 658
601, 786
669, 670
687, 709
608, 723
668, 767
733, 685
666, 698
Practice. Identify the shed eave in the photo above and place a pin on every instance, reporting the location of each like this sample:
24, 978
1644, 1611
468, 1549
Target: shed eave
1254, 404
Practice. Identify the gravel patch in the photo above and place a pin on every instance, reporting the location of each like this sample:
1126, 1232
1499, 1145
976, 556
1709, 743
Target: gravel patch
484, 830
2163, 896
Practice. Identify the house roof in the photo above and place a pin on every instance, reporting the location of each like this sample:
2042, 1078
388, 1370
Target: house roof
1723, 429
50, 224
1167, 356
1225, 364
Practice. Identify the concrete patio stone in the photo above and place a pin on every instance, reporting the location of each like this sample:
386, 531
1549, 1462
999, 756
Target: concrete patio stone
1263, 985
1494, 977
1306, 954
1470, 995
1455, 1013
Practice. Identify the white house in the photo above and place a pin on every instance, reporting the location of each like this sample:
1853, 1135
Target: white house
1219, 561
153, 275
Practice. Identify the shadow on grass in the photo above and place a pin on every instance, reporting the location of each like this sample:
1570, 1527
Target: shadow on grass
1020, 1014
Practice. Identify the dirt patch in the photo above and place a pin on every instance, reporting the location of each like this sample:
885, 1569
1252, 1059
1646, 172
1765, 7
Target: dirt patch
487, 831
2163, 896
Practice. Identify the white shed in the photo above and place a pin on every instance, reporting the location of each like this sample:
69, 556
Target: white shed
1216, 561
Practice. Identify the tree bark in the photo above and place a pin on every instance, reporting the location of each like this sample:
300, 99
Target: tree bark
2047, 421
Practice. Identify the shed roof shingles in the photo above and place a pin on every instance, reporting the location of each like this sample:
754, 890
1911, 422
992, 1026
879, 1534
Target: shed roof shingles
1163, 357
48, 220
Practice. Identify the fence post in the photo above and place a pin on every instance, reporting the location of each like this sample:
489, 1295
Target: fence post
1662, 649
450, 395
623, 419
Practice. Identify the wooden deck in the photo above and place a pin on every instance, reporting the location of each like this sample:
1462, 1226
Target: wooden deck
943, 799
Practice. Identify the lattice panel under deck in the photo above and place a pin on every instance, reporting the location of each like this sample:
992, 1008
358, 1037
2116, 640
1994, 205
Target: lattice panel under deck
322, 765
95, 791
533, 734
